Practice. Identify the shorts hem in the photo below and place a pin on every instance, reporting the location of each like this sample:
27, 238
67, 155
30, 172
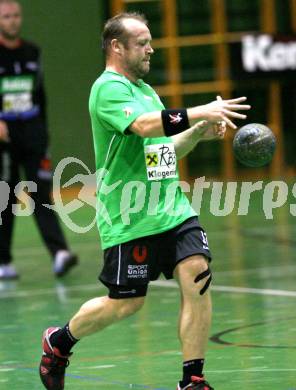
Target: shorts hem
124, 292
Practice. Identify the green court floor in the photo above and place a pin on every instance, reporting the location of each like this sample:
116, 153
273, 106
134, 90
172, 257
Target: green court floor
253, 336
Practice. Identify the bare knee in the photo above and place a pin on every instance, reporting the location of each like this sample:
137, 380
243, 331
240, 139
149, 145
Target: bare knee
194, 276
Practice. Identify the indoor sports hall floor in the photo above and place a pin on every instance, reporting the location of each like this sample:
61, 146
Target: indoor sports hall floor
253, 337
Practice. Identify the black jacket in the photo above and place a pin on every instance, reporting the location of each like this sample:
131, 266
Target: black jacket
22, 93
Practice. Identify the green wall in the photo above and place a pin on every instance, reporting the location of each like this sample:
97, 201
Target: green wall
68, 32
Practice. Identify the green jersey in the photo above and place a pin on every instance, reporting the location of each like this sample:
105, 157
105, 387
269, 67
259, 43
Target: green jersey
138, 190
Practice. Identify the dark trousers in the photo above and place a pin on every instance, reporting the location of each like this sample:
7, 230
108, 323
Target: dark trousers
27, 151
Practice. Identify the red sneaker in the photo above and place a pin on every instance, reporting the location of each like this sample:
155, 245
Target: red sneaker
53, 364
197, 383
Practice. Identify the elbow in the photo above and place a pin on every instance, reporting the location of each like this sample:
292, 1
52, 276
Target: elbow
147, 126
142, 129
145, 132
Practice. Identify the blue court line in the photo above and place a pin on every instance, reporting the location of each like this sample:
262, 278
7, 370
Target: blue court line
95, 379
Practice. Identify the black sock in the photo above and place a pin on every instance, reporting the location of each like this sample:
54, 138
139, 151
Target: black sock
191, 368
63, 340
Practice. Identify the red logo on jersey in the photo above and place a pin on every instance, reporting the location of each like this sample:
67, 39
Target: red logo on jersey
140, 253
45, 164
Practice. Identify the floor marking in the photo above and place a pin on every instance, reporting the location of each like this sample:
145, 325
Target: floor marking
93, 378
258, 271
6, 287
253, 370
139, 386
102, 366
6, 369
218, 337
36, 250
93, 244
46, 291
233, 289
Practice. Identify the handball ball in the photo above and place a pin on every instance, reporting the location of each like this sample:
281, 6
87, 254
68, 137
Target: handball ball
254, 145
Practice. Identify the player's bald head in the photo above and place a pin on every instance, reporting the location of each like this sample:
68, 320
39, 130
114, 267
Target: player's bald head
10, 19
120, 27
6, 5
9, 2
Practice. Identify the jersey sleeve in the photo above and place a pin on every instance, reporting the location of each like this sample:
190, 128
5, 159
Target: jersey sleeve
117, 107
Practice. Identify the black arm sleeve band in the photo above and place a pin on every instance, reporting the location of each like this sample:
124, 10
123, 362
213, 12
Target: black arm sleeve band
174, 121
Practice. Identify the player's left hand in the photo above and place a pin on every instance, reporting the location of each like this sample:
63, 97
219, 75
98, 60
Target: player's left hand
211, 130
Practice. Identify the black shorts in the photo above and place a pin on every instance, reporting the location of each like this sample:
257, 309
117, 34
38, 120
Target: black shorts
129, 267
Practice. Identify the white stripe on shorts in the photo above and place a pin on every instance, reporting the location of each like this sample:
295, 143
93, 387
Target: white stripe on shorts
119, 264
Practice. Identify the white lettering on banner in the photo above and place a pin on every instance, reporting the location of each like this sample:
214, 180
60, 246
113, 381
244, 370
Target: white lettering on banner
161, 162
261, 53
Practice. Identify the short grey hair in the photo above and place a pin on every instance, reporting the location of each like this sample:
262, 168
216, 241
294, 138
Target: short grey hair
115, 29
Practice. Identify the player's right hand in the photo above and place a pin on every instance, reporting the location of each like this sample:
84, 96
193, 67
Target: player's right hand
225, 110
4, 135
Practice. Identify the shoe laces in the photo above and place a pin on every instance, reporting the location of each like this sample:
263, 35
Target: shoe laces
200, 380
54, 363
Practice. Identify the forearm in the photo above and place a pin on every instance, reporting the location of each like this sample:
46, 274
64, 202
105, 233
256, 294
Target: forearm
148, 125
187, 140
152, 125
197, 114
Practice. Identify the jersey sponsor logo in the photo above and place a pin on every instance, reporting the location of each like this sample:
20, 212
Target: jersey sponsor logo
175, 118
156, 175
140, 253
137, 271
160, 161
151, 159
128, 111
16, 84
45, 164
44, 171
17, 102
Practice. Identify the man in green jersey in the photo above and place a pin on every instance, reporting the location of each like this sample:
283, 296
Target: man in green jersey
146, 223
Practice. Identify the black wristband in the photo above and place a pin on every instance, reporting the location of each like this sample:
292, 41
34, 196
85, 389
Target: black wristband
174, 121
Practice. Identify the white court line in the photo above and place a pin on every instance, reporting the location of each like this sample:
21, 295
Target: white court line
101, 366
159, 283
232, 289
284, 270
253, 370
94, 246
259, 291
37, 250
94, 243
46, 291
